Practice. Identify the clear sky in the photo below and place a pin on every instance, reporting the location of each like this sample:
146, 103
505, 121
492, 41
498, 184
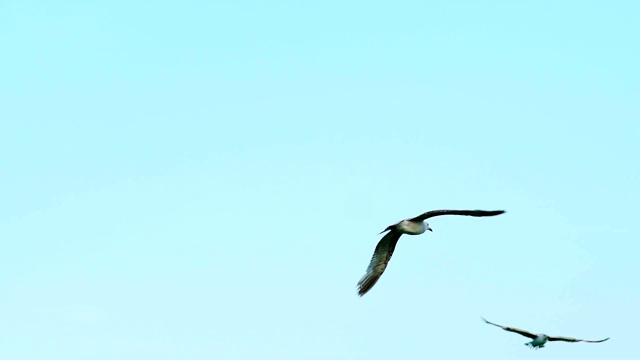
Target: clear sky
207, 180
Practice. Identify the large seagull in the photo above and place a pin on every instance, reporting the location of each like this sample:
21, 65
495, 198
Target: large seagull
540, 339
413, 226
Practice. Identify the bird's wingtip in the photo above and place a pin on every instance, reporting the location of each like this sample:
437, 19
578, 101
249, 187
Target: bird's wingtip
362, 286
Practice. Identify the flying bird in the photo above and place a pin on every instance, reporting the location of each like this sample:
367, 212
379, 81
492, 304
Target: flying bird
413, 226
540, 339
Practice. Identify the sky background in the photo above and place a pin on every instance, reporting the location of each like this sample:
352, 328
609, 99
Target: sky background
207, 180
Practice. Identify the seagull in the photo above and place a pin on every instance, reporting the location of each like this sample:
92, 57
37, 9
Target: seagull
413, 226
540, 339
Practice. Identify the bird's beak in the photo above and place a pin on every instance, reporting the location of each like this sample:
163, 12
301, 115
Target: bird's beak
430, 229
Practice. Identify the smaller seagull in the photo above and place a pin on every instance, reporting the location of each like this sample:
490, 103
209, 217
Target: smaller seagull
540, 339
414, 226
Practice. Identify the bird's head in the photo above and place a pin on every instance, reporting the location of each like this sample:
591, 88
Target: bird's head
427, 227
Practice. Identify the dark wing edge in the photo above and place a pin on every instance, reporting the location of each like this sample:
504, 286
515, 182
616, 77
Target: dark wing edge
570, 339
379, 260
476, 213
512, 329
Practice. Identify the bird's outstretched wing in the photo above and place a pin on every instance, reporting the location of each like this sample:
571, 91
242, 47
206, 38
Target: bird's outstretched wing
379, 261
569, 339
512, 329
477, 213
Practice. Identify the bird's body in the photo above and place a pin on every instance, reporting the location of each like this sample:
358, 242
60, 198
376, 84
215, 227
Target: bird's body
539, 340
412, 226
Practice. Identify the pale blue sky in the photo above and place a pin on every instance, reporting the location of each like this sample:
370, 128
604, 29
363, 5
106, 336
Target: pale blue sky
207, 180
